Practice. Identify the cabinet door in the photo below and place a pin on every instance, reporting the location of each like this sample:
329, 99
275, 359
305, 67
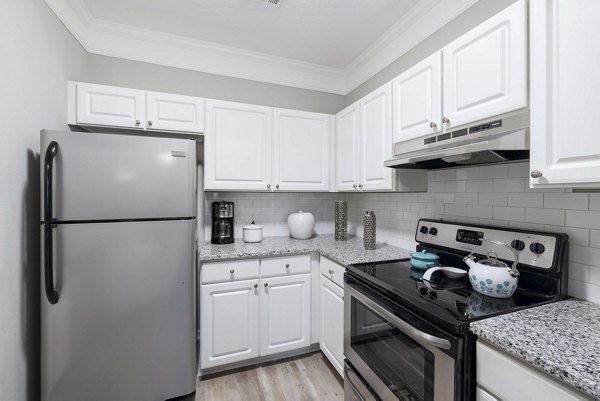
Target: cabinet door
347, 149
301, 151
237, 146
228, 322
170, 112
376, 139
418, 100
284, 313
564, 93
110, 106
332, 323
485, 70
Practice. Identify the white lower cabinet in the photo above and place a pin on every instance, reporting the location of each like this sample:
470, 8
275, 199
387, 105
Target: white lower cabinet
247, 311
229, 322
502, 377
284, 313
331, 337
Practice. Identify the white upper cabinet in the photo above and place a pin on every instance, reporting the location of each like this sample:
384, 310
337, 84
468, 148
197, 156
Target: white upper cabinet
301, 151
485, 70
565, 151
418, 100
238, 146
347, 148
376, 139
168, 112
115, 107
110, 106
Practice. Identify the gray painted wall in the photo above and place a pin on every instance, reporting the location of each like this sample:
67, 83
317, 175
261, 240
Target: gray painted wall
134, 74
38, 57
472, 17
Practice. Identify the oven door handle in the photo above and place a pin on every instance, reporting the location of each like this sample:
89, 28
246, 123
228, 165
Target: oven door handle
415, 333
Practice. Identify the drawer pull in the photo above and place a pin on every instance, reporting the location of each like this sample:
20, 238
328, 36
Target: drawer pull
231, 271
287, 265
266, 285
330, 271
255, 285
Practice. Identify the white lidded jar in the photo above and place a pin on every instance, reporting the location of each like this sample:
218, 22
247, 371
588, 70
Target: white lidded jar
301, 225
253, 232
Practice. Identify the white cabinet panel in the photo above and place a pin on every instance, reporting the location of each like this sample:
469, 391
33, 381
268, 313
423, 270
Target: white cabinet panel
332, 270
238, 146
347, 149
285, 313
110, 105
485, 70
301, 151
418, 100
376, 139
229, 270
332, 323
564, 93
170, 112
285, 266
229, 322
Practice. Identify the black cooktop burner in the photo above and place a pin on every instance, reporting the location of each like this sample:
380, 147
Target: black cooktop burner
450, 302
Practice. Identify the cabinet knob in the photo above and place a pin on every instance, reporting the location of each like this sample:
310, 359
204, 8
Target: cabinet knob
432, 125
268, 186
266, 285
149, 123
277, 186
445, 120
360, 186
255, 285
354, 186
231, 271
330, 271
287, 265
536, 174
137, 122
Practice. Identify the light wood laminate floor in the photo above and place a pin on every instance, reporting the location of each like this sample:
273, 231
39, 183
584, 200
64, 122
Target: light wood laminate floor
304, 378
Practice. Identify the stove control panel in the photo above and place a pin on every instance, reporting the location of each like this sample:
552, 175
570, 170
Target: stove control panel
534, 249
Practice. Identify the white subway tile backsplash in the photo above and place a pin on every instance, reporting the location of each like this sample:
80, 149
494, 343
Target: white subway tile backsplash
518, 170
466, 198
584, 219
456, 210
508, 213
578, 271
479, 186
468, 173
494, 171
566, 200
482, 212
545, 216
595, 275
588, 291
445, 198
577, 236
445, 175
594, 201
508, 185
455, 186
584, 255
595, 239
526, 199
493, 199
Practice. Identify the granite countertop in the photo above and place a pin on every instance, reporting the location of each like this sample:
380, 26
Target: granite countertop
561, 338
343, 252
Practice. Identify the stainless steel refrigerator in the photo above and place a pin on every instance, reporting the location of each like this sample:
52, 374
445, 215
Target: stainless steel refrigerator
118, 263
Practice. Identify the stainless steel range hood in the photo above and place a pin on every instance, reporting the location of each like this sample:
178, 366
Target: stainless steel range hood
498, 139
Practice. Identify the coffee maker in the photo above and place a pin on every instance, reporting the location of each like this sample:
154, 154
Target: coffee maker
222, 223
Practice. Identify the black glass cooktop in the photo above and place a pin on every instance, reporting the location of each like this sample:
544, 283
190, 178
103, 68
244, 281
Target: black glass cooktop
450, 302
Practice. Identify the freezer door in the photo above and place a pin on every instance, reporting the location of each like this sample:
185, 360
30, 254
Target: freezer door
124, 325
106, 176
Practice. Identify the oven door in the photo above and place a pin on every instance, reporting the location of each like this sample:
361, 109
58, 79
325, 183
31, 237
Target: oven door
399, 358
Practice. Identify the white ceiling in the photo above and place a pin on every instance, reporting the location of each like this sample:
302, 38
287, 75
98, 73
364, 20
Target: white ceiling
326, 32
328, 45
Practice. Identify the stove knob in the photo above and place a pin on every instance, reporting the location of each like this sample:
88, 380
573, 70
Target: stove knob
433, 231
518, 244
537, 248
424, 230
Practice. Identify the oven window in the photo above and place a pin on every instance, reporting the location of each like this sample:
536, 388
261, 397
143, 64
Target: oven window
405, 366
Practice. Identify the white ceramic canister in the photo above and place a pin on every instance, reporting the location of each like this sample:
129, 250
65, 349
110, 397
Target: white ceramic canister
253, 232
301, 225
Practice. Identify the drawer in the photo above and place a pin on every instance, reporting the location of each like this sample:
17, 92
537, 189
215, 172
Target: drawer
232, 270
285, 266
333, 271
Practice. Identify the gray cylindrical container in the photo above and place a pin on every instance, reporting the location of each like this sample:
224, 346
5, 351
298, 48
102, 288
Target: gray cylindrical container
370, 230
341, 220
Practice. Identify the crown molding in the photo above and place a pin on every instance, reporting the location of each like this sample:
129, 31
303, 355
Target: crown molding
123, 41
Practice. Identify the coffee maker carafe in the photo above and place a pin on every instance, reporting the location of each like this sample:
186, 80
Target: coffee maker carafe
222, 223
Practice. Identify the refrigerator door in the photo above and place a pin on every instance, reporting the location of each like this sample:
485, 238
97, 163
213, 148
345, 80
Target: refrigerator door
106, 176
124, 325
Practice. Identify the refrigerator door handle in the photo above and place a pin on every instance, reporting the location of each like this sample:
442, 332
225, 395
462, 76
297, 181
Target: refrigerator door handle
51, 292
